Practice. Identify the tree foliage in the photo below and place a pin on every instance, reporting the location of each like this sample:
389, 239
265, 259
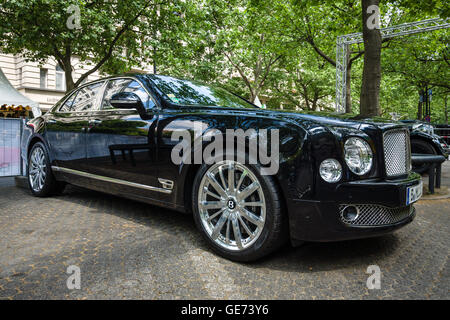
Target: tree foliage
107, 35
282, 51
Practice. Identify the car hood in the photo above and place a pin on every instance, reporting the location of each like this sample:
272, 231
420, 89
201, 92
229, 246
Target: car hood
310, 122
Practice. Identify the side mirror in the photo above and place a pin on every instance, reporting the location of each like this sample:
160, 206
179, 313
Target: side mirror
126, 100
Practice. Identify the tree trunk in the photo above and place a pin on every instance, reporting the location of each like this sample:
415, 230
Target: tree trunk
419, 111
370, 90
67, 66
446, 109
252, 96
69, 80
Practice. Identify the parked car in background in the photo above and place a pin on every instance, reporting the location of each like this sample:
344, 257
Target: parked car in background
336, 179
425, 141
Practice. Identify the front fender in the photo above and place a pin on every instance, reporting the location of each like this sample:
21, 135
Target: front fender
432, 140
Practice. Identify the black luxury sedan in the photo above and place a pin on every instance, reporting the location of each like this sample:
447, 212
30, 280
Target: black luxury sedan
329, 180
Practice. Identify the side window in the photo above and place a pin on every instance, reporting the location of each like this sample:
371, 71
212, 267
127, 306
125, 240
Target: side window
87, 97
67, 105
125, 85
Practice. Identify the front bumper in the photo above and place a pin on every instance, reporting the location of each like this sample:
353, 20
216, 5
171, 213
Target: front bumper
384, 202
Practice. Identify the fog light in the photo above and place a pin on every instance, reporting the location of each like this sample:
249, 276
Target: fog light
350, 213
330, 170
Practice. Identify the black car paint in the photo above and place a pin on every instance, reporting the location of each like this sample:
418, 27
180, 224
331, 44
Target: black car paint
97, 143
432, 139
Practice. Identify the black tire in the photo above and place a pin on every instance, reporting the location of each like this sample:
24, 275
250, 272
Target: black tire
50, 186
274, 232
422, 147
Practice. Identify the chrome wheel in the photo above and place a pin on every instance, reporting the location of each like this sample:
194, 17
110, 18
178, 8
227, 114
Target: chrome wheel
231, 205
37, 169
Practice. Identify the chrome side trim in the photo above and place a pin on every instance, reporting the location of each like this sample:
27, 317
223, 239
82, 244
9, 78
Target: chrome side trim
166, 184
112, 180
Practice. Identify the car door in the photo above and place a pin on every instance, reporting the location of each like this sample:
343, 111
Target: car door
121, 145
66, 127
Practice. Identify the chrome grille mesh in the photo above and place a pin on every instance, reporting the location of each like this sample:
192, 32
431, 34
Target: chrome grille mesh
397, 155
375, 215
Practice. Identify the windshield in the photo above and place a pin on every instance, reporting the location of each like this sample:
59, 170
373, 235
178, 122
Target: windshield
193, 93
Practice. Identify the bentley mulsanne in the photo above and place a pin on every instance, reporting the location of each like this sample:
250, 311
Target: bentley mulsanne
330, 179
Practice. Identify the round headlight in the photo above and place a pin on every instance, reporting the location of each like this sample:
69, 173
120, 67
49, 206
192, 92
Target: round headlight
358, 155
330, 170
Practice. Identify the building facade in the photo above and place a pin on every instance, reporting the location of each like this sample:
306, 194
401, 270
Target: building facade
44, 84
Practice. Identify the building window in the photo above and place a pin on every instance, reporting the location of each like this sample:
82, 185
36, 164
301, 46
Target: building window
43, 78
60, 78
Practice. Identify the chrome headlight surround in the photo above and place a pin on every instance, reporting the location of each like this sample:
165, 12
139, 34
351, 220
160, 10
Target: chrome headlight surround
358, 155
330, 170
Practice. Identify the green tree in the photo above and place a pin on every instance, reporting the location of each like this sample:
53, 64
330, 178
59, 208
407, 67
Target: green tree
248, 37
303, 81
420, 62
317, 24
370, 88
111, 34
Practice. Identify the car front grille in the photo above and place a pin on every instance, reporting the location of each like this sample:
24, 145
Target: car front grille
397, 152
376, 215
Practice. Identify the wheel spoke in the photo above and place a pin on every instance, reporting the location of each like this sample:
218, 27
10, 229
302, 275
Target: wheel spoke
211, 205
251, 217
216, 184
231, 178
228, 231
39, 157
222, 179
33, 159
244, 194
205, 190
35, 179
252, 204
246, 228
215, 214
218, 227
241, 179
33, 170
237, 233
32, 180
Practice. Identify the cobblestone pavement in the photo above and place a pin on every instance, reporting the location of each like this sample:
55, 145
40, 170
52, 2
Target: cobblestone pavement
131, 250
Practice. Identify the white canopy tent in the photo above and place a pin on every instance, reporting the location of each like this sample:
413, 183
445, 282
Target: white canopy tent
10, 96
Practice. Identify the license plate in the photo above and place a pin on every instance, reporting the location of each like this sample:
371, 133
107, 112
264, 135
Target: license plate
413, 193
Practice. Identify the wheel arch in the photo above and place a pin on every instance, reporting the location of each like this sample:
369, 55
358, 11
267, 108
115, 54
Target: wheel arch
425, 140
33, 140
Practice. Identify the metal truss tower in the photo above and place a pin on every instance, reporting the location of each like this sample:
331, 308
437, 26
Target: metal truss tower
343, 43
